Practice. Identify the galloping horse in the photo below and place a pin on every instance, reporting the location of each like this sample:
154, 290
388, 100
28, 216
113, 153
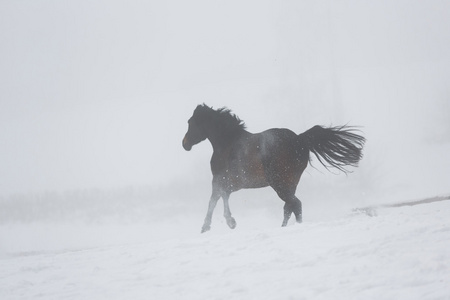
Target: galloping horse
275, 157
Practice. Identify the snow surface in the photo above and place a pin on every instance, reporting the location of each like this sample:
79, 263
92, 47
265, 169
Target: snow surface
95, 97
402, 253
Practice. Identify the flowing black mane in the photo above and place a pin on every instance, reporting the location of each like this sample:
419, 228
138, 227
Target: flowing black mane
221, 116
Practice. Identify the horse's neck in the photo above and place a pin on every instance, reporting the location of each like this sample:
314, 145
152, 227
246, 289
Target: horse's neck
221, 140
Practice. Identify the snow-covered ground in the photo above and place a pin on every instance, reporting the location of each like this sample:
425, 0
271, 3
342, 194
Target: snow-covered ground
401, 253
95, 95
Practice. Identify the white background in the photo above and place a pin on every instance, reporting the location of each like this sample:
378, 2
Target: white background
96, 94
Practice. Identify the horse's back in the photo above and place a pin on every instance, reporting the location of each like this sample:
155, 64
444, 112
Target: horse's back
275, 139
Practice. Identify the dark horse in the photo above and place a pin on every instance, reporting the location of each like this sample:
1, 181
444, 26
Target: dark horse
275, 157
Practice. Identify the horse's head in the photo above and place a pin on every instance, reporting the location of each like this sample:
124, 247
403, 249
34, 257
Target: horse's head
197, 127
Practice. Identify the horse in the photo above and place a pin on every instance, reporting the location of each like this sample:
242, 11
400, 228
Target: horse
276, 157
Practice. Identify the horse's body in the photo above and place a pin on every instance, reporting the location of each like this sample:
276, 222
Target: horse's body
275, 157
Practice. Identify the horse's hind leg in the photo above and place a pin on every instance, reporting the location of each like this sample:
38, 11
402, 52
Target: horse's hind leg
227, 213
297, 209
292, 205
287, 214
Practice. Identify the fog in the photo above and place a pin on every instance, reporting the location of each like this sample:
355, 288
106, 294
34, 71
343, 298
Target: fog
97, 94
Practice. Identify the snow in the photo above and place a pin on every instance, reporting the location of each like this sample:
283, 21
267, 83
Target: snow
99, 200
401, 253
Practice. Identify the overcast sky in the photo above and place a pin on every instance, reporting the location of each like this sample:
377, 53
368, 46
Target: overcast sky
98, 93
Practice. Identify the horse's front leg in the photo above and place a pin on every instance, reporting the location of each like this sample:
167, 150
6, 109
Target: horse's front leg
227, 213
212, 204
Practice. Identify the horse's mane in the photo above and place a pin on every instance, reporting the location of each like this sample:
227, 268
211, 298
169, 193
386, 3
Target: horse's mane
223, 116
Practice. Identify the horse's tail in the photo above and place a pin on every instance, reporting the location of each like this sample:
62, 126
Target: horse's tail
335, 146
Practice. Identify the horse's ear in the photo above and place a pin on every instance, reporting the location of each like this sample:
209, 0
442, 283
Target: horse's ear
207, 106
199, 108
200, 112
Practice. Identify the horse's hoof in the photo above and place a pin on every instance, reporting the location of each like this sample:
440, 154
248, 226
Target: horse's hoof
231, 223
205, 228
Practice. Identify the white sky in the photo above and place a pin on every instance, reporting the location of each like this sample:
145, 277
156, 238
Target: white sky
97, 93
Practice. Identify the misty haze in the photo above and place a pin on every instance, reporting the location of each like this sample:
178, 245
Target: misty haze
98, 198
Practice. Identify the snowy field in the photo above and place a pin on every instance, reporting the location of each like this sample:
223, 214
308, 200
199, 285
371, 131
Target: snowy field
98, 199
400, 253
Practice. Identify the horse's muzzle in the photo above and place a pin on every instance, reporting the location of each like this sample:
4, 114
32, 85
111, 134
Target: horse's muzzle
186, 144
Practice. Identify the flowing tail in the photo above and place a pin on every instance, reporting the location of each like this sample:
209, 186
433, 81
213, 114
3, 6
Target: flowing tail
335, 146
